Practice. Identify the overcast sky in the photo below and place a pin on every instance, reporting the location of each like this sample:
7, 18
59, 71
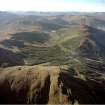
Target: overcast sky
53, 5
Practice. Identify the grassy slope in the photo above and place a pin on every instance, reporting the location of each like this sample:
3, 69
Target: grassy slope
47, 85
58, 48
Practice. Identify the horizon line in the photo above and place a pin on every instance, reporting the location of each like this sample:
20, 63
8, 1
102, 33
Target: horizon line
52, 11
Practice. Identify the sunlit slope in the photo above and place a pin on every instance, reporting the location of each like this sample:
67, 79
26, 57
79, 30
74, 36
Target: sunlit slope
58, 47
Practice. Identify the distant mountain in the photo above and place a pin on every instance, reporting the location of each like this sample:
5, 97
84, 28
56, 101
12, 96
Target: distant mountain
29, 21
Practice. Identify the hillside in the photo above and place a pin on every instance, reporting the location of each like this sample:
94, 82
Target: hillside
52, 59
60, 47
9, 58
47, 85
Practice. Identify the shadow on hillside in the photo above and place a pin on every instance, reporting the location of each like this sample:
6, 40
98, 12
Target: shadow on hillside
9, 58
94, 45
98, 36
55, 24
19, 39
85, 92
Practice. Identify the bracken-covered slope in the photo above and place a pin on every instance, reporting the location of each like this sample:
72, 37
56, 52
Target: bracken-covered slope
47, 85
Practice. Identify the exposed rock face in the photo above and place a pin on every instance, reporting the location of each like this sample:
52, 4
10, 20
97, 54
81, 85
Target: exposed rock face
47, 85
